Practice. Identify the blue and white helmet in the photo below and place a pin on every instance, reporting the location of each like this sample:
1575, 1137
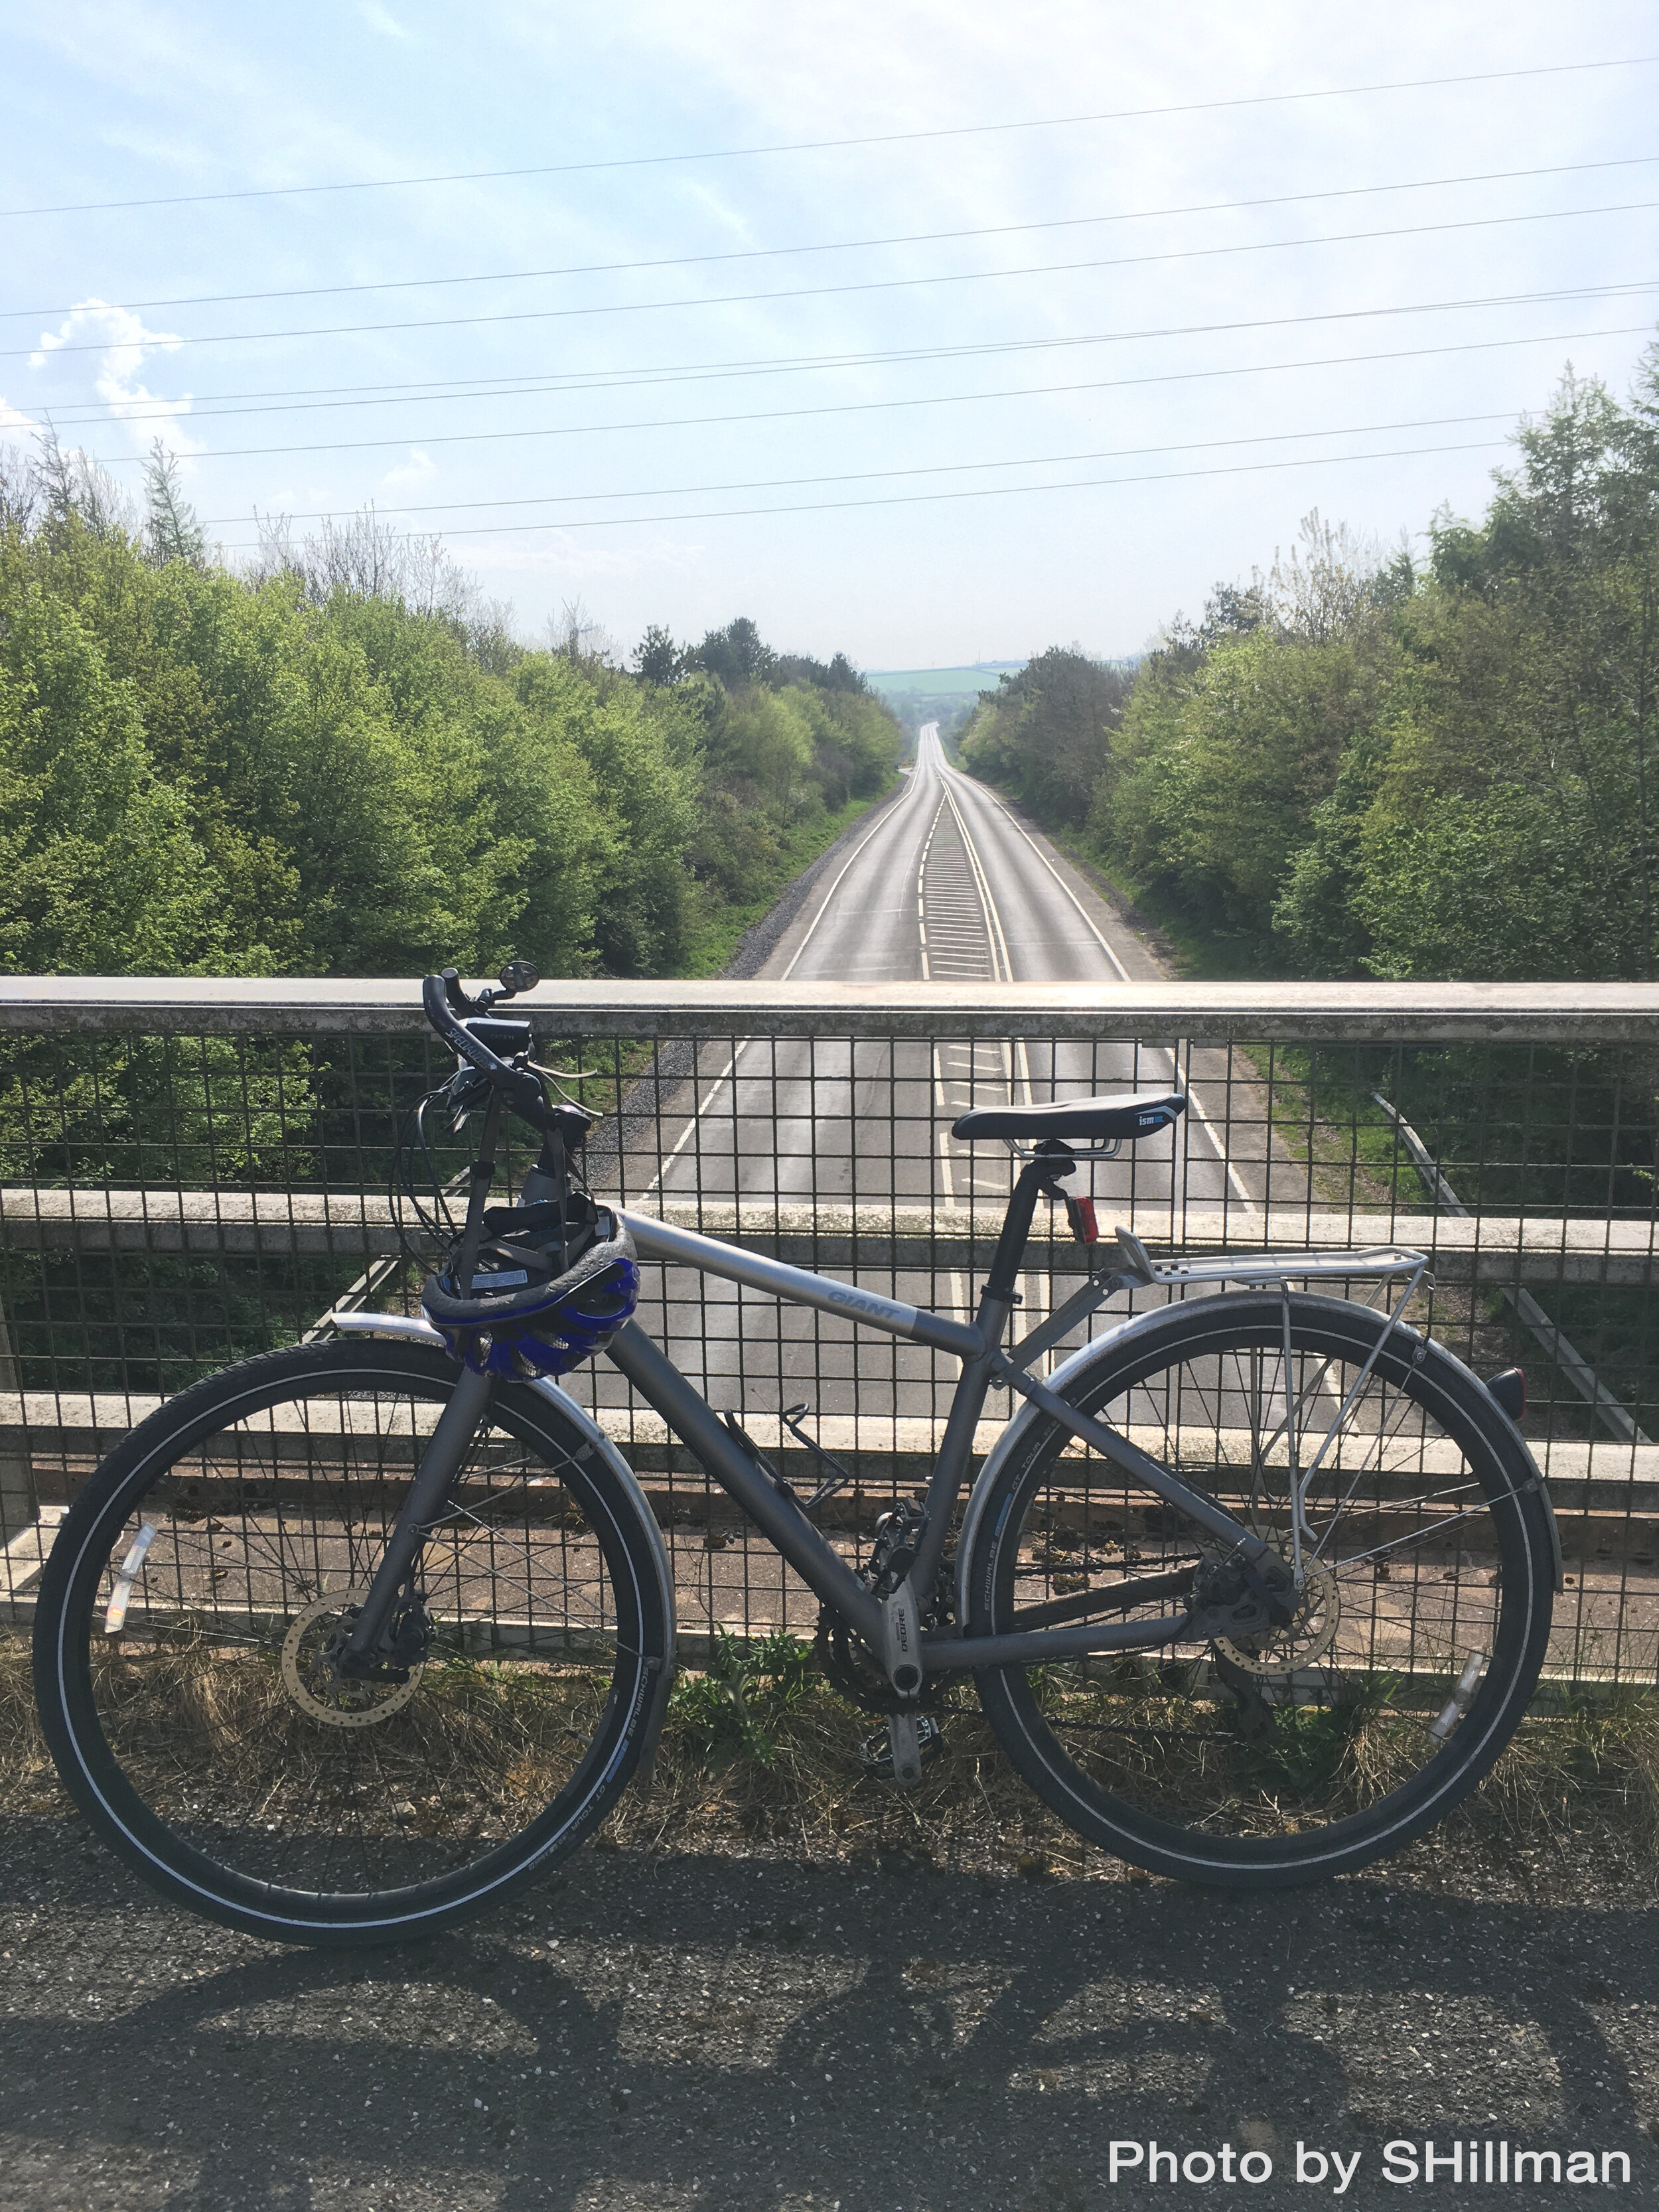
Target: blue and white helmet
514, 1325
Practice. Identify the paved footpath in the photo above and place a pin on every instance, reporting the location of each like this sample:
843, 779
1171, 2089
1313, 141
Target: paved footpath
655, 2033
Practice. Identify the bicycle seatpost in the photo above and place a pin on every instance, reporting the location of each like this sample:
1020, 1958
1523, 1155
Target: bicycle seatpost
995, 1304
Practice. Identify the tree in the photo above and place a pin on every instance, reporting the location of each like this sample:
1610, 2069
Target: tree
171, 532
737, 654
656, 656
72, 485
1045, 731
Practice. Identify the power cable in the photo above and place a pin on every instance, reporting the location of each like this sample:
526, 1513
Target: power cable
842, 245
841, 291
872, 475
974, 491
310, 399
829, 145
869, 406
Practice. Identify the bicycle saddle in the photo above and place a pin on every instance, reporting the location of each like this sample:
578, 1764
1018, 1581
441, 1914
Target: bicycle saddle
1121, 1113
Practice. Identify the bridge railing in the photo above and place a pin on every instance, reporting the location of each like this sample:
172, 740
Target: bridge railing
193, 1170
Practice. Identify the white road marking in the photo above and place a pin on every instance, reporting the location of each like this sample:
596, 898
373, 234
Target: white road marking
1197, 1104
690, 1128
892, 815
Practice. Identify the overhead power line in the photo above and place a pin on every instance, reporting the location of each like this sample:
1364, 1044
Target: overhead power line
975, 491
842, 245
212, 407
831, 145
876, 476
866, 285
869, 406
165, 414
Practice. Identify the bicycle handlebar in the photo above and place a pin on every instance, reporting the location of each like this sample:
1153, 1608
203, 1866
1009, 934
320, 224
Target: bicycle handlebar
522, 1089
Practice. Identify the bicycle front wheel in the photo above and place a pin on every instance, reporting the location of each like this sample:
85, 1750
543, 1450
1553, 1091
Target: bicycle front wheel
187, 1602
1428, 1566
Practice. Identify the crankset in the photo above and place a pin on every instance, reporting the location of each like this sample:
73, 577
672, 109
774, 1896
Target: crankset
848, 1667
898, 1751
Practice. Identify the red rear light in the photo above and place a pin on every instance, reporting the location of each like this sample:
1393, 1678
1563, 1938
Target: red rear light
1510, 1388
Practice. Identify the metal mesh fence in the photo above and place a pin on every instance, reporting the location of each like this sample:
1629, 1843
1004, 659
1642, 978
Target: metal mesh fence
180, 1191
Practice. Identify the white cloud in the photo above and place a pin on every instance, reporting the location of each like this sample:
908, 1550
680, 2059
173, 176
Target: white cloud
382, 20
412, 475
13, 422
125, 342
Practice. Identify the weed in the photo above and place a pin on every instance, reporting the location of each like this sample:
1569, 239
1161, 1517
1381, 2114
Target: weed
760, 1752
737, 1704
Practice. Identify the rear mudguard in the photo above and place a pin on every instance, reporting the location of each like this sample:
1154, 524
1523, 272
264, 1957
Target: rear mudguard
1070, 1371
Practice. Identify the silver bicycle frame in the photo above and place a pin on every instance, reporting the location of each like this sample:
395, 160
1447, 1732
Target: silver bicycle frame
889, 1628
780, 1517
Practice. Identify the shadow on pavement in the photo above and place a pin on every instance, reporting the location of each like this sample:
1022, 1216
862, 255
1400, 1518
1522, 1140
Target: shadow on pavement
675, 2032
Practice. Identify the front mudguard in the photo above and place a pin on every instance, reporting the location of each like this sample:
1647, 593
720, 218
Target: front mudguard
659, 1664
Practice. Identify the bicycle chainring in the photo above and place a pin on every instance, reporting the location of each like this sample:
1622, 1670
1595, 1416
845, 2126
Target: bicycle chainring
851, 1670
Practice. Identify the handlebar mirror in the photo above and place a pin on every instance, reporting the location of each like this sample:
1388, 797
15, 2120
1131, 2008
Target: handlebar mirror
519, 975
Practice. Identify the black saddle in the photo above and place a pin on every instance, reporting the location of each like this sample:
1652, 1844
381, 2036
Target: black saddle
1122, 1114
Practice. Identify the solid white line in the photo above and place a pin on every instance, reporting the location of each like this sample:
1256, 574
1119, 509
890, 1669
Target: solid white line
1233, 1176
890, 816
699, 1111
1016, 1054
922, 878
692, 1126
994, 929
1083, 915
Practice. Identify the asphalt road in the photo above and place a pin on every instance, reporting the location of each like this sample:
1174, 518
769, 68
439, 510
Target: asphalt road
946, 884
654, 2032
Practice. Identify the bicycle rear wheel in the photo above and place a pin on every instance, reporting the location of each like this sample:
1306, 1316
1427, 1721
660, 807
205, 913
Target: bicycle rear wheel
1285, 1759
186, 1602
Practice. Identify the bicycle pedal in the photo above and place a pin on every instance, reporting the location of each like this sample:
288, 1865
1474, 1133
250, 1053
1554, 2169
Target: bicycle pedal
898, 1751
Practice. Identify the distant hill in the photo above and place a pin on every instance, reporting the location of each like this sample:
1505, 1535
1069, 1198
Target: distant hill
897, 683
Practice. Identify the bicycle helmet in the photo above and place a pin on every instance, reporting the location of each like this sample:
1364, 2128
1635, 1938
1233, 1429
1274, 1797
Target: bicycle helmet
523, 1319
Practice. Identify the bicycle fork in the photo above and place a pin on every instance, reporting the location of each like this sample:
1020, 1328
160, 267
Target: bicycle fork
363, 1649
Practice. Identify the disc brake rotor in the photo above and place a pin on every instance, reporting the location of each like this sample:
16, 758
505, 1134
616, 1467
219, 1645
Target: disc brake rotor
316, 1692
1307, 1639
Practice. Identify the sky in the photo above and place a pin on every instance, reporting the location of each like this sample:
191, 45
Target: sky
928, 330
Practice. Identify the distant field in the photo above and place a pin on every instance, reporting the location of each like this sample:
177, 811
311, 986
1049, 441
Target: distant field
937, 683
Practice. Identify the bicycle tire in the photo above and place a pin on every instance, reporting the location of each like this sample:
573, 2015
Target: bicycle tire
1279, 1762
177, 1671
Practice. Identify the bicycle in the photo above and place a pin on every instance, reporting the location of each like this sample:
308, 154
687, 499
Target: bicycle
353, 1640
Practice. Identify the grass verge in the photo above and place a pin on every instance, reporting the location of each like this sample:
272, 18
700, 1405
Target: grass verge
761, 1756
717, 940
